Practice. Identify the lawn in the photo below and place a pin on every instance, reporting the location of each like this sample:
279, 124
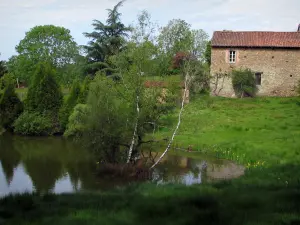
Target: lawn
263, 134
246, 130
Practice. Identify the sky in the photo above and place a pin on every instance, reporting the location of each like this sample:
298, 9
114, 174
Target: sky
18, 16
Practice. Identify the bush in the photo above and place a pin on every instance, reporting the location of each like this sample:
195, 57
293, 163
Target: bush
33, 124
44, 95
43, 102
84, 90
69, 104
243, 82
10, 105
77, 121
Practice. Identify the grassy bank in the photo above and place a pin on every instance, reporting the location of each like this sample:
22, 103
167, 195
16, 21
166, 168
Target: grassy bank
262, 133
265, 130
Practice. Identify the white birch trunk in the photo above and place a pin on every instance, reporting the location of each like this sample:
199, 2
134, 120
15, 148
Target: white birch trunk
178, 124
135, 130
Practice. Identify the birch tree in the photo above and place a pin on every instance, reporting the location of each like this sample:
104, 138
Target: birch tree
121, 107
190, 66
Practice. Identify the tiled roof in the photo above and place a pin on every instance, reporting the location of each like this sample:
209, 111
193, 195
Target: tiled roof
256, 39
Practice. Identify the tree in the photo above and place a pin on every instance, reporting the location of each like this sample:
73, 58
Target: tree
243, 82
207, 53
189, 61
3, 68
106, 40
121, 111
199, 42
44, 95
10, 105
46, 43
174, 36
49, 43
69, 104
178, 37
44, 99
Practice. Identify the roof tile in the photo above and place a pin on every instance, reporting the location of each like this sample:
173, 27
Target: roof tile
256, 39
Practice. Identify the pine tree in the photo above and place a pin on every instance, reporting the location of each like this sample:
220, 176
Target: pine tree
107, 40
44, 96
10, 106
69, 104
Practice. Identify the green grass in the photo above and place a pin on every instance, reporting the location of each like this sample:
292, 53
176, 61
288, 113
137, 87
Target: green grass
247, 130
261, 133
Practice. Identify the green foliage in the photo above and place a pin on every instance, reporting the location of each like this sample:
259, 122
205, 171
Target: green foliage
69, 104
10, 105
46, 43
22, 68
175, 37
44, 95
7, 80
44, 99
33, 123
107, 40
109, 122
3, 68
200, 80
207, 53
77, 121
243, 82
84, 90
178, 37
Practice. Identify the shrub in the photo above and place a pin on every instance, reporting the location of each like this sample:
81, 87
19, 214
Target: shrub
44, 95
44, 100
84, 90
36, 124
10, 105
243, 82
77, 121
69, 104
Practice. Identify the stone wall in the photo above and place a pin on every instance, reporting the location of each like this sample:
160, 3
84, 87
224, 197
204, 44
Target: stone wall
280, 70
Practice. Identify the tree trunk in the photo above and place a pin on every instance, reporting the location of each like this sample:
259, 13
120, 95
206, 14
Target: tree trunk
135, 129
178, 124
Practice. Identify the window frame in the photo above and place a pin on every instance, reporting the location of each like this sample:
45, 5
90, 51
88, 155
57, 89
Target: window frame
232, 56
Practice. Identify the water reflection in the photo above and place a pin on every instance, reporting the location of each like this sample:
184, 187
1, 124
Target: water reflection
56, 165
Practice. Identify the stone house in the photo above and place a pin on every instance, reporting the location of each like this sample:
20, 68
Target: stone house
273, 56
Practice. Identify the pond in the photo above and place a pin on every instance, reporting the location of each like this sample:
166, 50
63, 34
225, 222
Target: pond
56, 165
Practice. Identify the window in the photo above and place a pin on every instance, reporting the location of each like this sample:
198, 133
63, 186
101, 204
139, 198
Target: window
258, 78
232, 56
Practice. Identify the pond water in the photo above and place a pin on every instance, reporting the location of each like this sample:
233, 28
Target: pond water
54, 164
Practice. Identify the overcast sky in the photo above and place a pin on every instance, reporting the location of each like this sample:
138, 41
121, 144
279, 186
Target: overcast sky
18, 16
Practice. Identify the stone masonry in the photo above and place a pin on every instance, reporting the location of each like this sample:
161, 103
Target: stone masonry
279, 68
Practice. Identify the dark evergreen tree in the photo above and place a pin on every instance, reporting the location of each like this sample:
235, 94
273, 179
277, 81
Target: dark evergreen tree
107, 39
10, 106
44, 95
3, 68
69, 104
207, 53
